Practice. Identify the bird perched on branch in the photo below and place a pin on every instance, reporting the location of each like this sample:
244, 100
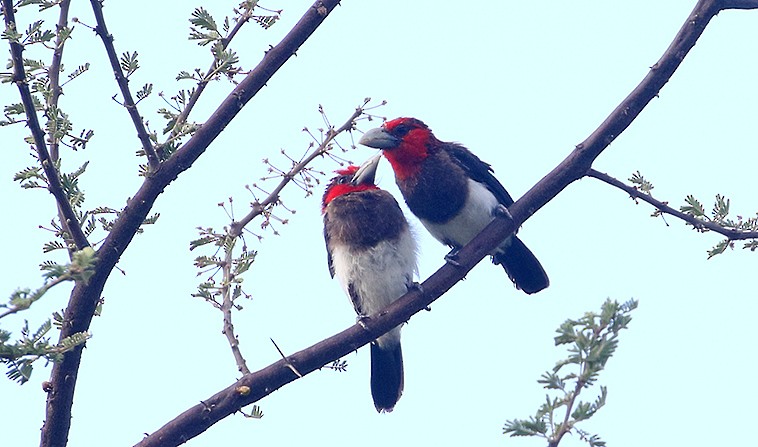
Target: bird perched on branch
373, 254
453, 193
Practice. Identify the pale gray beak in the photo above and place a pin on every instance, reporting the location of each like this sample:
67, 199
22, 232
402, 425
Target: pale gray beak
380, 139
366, 174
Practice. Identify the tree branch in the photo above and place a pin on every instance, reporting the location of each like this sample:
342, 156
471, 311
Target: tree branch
54, 74
55, 66
579, 162
227, 304
198, 418
69, 221
85, 297
123, 85
235, 229
182, 118
663, 207
255, 386
738, 4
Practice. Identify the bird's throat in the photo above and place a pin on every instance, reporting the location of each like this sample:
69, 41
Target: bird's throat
406, 160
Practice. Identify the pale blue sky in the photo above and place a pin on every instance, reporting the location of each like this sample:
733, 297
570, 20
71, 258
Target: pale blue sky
518, 83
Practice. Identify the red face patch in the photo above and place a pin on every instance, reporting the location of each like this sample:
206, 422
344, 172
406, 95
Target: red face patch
415, 137
341, 185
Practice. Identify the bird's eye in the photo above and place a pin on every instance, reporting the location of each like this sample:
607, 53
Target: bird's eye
401, 129
343, 180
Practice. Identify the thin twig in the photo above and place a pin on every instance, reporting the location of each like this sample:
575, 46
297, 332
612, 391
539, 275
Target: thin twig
37, 294
553, 442
69, 220
284, 357
195, 420
236, 227
123, 85
55, 90
259, 207
55, 67
663, 207
226, 308
85, 297
182, 118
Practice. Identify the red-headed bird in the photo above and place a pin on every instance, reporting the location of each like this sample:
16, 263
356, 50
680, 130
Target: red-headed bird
453, 193
373, 254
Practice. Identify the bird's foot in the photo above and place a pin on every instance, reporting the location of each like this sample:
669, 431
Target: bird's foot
417, 287
502, 211
361, 320
452, 257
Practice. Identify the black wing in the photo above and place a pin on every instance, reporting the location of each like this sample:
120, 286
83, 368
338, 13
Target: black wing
328, 250
479, 171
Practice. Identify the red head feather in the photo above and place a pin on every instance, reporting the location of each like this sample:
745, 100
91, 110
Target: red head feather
342, 184
415, 139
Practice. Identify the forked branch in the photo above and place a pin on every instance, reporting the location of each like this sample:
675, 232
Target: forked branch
577, 165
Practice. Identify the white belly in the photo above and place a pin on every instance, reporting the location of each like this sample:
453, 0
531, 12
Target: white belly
380, 275
475, 215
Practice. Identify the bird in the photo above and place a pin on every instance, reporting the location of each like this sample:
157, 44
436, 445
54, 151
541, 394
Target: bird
373, 253
453, 193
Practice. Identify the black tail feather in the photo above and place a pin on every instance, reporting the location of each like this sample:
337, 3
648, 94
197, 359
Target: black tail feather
386, 376
522, 267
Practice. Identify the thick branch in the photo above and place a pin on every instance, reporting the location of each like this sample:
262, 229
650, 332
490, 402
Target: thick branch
663, 207
579, 162
123, 85
84, 298
70, 220
738, 4
261, 383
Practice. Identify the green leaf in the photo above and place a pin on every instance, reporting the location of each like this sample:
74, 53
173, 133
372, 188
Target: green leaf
129, 63
566, 333
78, 72
642, 184
20, 371
693, 207
592, 340
144, 92
203, 19
552, 381
10, 34
205, 261
720, 208
53, 245
718, 248
204, 28
266, 21
202, 241
524, 427
35, 34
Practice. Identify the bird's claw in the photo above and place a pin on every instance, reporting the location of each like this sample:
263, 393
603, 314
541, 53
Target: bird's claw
502, 211
417, 287
361, 321
452, 257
